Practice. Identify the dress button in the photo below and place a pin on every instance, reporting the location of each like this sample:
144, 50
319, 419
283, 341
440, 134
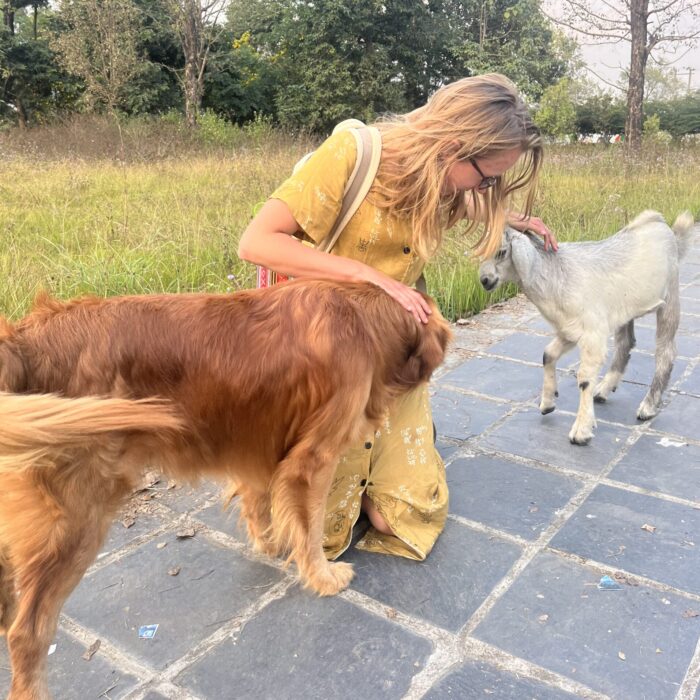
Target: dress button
368, 445
406, 249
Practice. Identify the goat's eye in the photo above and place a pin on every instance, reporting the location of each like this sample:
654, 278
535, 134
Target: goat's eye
500, 254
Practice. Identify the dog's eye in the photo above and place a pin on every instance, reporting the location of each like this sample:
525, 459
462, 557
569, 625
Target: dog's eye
501, 254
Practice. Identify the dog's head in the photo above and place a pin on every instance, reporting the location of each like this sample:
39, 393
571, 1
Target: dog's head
423, 346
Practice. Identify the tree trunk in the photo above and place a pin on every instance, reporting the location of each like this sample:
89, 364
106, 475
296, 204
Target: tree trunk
8, 16
21, 113
36, 22
639, 14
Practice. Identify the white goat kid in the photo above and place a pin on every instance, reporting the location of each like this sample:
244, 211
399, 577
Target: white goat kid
589, 290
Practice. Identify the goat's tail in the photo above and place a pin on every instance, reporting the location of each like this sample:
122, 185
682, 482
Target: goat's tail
683, 227
35, 429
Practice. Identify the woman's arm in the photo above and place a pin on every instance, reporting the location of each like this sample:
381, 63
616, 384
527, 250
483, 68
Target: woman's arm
268, 241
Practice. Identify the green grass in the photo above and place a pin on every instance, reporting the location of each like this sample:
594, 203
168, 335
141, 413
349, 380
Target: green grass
162, 214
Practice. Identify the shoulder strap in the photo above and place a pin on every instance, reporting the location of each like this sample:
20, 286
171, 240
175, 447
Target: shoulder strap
369, 151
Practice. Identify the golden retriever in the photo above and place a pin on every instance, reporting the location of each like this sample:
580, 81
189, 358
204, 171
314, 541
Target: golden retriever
265, 388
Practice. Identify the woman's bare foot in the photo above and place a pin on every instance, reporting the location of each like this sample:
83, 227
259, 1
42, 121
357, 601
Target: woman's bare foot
375, 517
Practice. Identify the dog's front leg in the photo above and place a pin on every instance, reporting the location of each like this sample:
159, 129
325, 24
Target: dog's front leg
593, 350
299, 493
552, 353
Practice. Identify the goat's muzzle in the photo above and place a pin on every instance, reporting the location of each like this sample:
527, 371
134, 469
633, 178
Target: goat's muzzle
488, 283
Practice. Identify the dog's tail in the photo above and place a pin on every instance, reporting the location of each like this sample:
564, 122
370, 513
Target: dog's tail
683, 227
35, 429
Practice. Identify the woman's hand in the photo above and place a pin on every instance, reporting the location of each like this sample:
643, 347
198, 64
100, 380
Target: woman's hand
411, 300
536, 225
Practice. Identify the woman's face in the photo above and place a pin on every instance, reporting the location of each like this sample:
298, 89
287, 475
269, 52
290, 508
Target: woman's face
464, 174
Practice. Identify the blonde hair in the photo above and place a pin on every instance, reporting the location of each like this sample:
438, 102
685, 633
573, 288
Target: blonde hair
476, 117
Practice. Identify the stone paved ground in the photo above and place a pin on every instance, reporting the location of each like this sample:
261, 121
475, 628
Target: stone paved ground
506, 606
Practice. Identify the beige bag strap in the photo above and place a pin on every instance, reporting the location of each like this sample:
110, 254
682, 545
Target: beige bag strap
369, 151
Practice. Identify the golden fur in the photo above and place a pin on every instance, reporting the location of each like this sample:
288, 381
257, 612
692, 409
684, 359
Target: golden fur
265, 388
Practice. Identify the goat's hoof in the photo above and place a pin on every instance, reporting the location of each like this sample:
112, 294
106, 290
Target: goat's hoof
599, 398
546, 410
575, 440
332, 579
580, 436
556, 394
645, 415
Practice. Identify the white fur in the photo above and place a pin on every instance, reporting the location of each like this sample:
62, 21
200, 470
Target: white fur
590, 290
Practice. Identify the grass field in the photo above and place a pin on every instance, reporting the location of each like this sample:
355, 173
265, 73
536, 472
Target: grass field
85, 209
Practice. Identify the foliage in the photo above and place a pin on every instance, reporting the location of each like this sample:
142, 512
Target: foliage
99, 43
557, 114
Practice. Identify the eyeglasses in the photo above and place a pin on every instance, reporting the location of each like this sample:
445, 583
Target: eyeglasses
486, 180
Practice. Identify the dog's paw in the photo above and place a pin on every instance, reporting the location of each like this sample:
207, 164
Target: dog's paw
332, 579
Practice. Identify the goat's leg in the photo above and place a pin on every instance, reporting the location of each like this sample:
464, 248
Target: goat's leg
667, 320
593, 348
299, 493
552, 353
624, 342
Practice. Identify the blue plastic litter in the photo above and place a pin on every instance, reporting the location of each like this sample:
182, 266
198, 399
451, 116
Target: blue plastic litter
607, 583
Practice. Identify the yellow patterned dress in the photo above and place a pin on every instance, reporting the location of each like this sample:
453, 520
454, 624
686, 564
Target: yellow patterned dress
398, 466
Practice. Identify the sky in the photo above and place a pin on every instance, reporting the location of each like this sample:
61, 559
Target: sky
608, 59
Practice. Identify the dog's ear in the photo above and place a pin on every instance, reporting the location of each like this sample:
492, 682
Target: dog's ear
428, 349
13, 373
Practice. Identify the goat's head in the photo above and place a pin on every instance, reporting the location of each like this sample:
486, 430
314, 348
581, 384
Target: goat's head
501, 267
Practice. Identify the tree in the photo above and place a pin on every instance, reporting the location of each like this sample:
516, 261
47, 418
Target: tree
99, 43
509, 37
556, 114
648, 26
197, 24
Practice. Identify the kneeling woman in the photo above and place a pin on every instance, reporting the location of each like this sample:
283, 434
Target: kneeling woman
461, 156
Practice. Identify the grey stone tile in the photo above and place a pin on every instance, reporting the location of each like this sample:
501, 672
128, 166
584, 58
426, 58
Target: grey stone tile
303, 646
585, 630
640, 369
70, 676
689, 305
546, 439
692, 291
687, 346
690, 324
539, 324
621, 406
681, 416
480, 486
152, 695
691, 384
494, 377
689, 272
184, 497
608, 528
446, 449
120, 535
673, 469
521, 346
224, 519
475, 679
447, 587
213, 585
460, 417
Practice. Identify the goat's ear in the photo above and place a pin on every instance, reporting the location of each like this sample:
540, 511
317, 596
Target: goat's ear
520, 252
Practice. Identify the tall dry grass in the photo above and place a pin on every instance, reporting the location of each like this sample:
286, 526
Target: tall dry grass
92, 206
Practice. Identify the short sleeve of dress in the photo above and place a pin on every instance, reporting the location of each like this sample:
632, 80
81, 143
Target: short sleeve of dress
314, 194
